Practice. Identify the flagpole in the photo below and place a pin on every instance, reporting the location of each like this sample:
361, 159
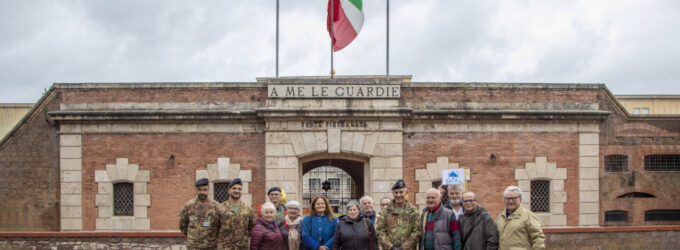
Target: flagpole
387, 52
331, 17
277, 38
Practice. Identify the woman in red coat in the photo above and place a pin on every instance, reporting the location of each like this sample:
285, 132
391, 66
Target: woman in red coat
266, 234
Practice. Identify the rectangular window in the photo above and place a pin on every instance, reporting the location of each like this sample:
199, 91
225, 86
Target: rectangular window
123, 199
636, 111
540, 196
314, 184
645, 111
335, 183
616, 163
616, 216
662, 162
662, 215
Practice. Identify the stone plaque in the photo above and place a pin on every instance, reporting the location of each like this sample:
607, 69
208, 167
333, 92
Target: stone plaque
334, 91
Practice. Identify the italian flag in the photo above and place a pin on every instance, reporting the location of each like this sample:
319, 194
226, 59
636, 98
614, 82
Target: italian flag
347, 21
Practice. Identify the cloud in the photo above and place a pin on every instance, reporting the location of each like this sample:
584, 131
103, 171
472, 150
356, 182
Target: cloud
631, 46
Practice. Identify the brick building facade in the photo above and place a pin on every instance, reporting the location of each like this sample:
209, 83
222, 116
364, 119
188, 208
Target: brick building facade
567, 142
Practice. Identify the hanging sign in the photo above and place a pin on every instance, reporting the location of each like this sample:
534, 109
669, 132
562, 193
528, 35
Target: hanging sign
453, 176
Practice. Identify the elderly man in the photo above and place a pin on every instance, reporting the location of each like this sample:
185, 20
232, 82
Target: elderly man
236, 219
399, 225
518, 227
199, 220
455, 192
477, 226
367, 208
440, 228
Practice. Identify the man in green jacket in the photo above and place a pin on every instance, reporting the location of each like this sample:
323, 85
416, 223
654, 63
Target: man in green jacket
399, 225
518, 227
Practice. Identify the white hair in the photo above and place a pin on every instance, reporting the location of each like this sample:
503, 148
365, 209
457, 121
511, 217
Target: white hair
454, 186
365, 197
512, 188
294, 203
439, 194
268, 206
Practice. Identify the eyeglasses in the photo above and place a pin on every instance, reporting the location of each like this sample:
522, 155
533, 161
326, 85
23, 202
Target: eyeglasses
512, 198
468, 201
274, 195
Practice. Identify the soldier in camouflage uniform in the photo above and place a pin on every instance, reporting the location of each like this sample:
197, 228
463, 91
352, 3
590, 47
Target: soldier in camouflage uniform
199, 218
399, 225
236, 220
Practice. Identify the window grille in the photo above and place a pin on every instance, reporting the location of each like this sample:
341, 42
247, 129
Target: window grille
335, 183
662, 215
540, 196
314, 183
636, 195
616, 216
616, 163
339, 190
123, 199
221, 191
662, 163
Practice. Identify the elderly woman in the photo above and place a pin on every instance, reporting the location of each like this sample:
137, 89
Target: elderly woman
291, 226
318, 228
354, 231
266, 235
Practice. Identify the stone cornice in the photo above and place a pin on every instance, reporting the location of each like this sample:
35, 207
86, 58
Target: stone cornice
395, 112
104, 115
512, 114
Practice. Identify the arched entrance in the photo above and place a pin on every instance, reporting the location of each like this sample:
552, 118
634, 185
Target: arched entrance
345, 177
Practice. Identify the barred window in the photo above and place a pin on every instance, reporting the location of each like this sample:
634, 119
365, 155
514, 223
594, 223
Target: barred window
616, 216
662, 215
616, 163
540, 196
662, 163
123, 199
221, 191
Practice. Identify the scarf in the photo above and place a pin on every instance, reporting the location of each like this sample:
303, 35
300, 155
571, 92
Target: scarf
293, 235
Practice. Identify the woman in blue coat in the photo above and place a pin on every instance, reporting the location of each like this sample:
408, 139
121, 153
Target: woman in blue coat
318, 228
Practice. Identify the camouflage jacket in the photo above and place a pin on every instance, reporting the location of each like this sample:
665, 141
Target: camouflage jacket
399, 227
200, 223
235, 227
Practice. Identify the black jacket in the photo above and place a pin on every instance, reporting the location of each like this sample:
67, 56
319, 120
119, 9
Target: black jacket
484, 235
352, 234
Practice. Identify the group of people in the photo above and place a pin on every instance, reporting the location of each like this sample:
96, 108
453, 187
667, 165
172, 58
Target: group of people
452, 220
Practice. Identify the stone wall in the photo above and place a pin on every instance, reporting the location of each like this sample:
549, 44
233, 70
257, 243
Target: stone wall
29, 173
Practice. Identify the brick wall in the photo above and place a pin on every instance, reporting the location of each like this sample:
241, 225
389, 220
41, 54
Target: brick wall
29, 175
164, 95
489, 179
509, 95
171, 184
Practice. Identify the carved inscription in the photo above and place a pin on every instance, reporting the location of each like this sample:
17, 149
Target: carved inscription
334, 91
334, 124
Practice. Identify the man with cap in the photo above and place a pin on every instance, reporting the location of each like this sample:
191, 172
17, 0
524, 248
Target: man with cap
274, 194
236, 219
199, 218
399, 225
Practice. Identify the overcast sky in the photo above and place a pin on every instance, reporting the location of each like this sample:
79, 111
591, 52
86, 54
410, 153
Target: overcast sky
631, 46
